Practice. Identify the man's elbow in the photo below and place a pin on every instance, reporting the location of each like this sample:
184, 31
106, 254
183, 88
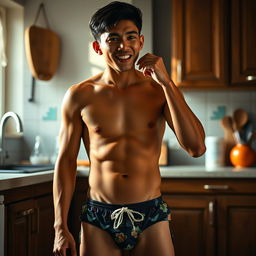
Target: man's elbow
199, 151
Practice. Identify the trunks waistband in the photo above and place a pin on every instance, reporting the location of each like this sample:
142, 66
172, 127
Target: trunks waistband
149, 203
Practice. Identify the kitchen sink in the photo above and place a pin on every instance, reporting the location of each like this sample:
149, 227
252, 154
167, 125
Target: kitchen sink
25, 168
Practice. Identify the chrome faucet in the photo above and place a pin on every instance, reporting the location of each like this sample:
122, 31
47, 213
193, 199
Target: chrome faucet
6, 116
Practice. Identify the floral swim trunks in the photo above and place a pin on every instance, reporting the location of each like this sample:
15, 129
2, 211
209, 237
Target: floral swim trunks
125, 222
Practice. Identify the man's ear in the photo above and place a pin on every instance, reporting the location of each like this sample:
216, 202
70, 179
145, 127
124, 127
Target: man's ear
96, 47
141, 41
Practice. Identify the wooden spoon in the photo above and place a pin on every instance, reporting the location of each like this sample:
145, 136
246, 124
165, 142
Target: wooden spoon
227, 124
240, 118
230, 142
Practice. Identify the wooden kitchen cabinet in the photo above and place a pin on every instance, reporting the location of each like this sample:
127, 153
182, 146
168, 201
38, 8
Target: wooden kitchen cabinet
199, 37
243, 41
237, 225
29, 220
213, 43
212, 216
22, 228
192, 225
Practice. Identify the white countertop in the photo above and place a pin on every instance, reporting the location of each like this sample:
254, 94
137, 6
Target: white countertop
203, 172
10, 180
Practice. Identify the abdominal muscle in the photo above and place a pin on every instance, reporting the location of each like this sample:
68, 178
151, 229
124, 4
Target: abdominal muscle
124, 171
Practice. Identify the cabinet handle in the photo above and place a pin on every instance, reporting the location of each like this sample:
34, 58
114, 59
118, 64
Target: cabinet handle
211, 208
179, 71
250, 78
26, 212
216, 187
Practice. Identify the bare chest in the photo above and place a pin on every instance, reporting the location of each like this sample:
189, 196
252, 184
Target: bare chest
114, 113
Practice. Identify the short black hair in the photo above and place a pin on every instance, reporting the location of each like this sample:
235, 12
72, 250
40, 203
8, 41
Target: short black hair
109, 15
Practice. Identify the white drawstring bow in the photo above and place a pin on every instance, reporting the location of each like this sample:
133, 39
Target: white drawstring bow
117, 216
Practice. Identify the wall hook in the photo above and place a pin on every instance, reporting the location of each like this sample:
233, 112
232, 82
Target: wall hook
31, 99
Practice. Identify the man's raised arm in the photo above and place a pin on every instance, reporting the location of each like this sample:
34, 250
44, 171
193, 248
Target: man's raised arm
180, 118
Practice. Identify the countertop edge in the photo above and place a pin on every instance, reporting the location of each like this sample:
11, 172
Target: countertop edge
11, 181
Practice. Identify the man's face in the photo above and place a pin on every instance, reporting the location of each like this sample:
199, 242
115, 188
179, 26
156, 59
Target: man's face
121, 45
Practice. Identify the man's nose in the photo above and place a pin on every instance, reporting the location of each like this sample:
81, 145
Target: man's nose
123, 44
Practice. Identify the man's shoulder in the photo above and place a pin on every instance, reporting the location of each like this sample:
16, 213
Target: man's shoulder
84, 87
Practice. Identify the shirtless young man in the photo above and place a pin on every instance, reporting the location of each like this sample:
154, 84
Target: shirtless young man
120, 114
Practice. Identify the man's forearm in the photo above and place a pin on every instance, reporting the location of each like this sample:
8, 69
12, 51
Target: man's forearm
63, 188
186, 125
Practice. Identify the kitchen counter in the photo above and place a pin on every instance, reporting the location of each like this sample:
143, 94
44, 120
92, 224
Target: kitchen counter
10, 180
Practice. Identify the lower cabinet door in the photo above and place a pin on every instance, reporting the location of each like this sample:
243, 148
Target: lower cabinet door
193, 223
237, 226
30, 227
21, 228
45, 236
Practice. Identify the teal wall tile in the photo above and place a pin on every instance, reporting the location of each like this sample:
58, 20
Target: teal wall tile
219, 113
51, 114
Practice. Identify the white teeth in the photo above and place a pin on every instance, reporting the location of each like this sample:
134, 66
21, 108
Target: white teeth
124, 57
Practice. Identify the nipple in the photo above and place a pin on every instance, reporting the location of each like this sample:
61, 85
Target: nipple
97, 129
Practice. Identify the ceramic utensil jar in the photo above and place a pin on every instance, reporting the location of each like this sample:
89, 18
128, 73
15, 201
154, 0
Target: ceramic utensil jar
214, 155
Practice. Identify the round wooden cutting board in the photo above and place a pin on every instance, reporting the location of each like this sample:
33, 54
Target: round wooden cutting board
43, 51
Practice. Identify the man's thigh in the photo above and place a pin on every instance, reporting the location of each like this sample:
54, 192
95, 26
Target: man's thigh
95, 242
155, 241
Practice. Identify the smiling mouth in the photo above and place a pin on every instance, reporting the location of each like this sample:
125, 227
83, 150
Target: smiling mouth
123, 58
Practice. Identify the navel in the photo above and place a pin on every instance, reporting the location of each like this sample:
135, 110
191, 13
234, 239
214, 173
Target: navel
151, 124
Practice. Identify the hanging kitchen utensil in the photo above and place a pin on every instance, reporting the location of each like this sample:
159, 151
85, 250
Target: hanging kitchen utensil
42, 47
240, 118
229, 140
252, 138
247, 131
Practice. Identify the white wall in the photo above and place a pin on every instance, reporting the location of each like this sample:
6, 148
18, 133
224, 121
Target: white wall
15, 53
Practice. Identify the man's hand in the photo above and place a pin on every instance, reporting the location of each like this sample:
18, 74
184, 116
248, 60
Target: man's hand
153, 66
64, 240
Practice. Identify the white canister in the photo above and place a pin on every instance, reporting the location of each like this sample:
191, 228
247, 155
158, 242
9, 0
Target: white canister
214, 155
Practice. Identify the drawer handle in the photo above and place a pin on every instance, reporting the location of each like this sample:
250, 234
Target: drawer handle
250, 78
216, 187
211, 208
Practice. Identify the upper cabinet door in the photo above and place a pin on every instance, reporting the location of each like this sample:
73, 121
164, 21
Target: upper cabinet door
243, 41
199, 52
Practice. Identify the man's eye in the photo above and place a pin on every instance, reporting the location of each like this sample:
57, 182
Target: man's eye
131, 37
113, 39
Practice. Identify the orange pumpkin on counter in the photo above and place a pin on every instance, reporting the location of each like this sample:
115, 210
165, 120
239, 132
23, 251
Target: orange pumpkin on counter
242, 155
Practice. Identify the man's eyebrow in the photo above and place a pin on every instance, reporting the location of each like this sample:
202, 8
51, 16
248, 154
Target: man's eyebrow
132, 32
127, 33
113, 34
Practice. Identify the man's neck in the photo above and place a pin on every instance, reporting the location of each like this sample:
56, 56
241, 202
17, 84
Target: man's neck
120, 79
